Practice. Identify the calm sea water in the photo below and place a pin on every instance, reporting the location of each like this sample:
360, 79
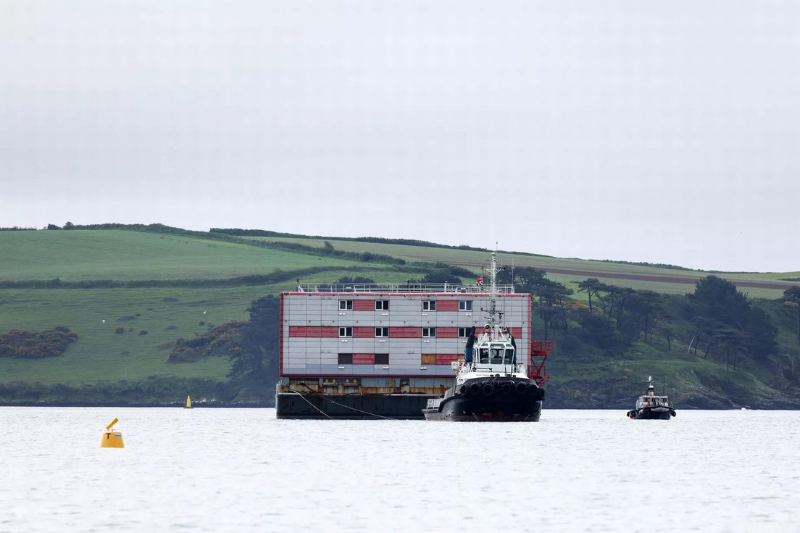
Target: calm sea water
237, 469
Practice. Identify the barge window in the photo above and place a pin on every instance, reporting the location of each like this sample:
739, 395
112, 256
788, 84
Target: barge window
484, 356
345, 359
463, 333
428, 332
381, 332
429, 305
381, 358
465, 305
345, 305
346, 332
429, 359
381, 305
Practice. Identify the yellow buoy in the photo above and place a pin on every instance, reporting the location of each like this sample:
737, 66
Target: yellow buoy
188, 402
112, 438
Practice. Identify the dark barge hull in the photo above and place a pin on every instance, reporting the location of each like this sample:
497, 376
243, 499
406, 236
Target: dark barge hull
351, 406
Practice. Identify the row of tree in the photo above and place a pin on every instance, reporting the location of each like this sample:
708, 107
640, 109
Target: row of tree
720, 320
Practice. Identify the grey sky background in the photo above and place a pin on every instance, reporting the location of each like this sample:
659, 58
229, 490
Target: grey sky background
644, 131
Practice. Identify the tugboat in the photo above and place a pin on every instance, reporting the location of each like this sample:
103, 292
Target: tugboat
491, 386
652, 407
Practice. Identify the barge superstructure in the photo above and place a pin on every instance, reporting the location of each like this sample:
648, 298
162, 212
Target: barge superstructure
382, 351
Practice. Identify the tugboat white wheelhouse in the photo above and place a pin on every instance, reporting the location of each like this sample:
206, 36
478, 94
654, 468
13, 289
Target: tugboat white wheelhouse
491, 384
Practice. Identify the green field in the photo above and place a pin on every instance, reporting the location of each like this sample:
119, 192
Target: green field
572, 282
131, 255
471, 258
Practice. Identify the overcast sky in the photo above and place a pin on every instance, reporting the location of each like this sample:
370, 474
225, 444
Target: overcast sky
644, 131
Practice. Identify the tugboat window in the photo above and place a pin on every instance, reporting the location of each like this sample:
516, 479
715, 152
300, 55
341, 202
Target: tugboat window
484, 356
509, 356
497, 356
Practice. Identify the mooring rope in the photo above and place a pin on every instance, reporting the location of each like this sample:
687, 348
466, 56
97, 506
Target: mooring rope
359, 410
340, 405
312, 405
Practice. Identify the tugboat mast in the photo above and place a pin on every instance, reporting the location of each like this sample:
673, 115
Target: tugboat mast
493, 294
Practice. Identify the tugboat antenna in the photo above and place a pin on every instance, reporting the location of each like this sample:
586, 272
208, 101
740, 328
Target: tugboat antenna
493, 306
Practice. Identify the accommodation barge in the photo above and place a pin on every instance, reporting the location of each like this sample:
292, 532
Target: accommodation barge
382, 351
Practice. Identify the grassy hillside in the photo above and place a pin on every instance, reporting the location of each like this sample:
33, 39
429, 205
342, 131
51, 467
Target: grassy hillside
78, 255
102, 360
681, 281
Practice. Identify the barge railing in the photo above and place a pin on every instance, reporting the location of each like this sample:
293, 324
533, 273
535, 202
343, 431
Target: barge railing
421, 288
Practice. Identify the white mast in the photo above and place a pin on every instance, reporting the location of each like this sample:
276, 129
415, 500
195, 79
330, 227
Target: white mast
493, 302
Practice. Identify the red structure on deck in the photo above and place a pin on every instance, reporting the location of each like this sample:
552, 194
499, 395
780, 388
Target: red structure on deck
539, 349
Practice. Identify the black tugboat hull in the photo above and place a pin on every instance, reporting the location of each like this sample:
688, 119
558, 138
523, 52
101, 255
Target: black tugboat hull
651, 414
466, 410
499, 406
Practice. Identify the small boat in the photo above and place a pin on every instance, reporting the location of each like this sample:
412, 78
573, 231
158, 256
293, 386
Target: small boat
188, 402
649, 406
491, 386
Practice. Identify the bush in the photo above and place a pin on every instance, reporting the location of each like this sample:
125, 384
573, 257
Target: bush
222, 340
21, 344
143, 332
119, 330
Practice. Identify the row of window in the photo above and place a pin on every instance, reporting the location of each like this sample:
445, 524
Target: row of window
383, 305
463, 305
383, 359
380, 359
347, 305
347, 331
